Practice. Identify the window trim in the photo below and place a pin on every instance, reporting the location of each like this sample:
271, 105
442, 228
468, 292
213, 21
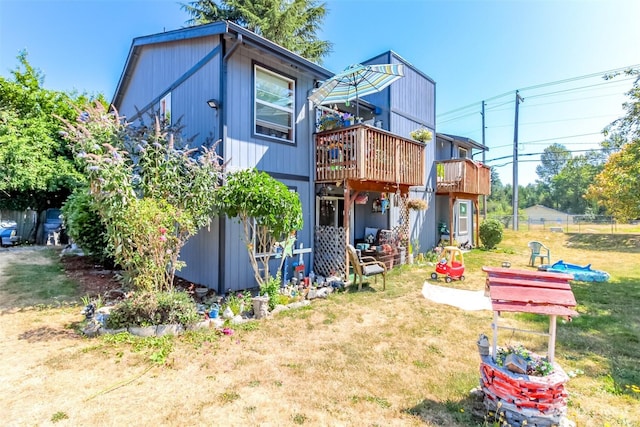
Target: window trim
255, 121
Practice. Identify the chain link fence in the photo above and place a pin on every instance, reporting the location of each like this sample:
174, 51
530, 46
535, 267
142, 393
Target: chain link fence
601, 224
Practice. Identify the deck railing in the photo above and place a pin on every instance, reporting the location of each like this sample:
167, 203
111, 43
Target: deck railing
463, 176
366, 153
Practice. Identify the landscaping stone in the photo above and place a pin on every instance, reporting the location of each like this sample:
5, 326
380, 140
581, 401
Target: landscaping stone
143, 331
174, 329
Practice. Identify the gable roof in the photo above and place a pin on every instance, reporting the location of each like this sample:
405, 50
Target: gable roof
216, 28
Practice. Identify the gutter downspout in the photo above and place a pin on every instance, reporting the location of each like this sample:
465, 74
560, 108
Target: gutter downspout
222, 125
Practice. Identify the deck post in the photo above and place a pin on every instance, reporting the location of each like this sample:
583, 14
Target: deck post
551, 351
494, 326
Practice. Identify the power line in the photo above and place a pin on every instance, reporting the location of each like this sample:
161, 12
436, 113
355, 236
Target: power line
557, 82
537, 154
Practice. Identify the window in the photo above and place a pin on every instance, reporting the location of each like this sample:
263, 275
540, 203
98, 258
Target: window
462, 153
274, 105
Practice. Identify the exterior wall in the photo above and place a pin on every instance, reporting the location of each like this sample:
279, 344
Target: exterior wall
292, 164
161, 68
406, 105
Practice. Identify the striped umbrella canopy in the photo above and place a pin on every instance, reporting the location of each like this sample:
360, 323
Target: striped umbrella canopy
356, 81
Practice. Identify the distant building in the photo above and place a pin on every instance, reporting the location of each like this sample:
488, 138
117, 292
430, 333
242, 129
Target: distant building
539, 214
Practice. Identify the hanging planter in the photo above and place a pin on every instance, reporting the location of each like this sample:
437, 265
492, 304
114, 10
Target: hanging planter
417, 204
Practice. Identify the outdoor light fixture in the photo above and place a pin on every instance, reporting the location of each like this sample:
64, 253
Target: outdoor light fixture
213, 103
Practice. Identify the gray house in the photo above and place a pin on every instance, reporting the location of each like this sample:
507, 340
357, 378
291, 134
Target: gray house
252, 94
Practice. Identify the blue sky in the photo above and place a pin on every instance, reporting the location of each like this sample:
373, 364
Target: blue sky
474, 50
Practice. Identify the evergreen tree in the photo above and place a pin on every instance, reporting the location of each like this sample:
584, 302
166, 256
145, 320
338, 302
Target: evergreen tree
293, 24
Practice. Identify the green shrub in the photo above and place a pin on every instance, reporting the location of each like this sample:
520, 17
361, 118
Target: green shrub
153, 308
491, 232
271, 288
84, 225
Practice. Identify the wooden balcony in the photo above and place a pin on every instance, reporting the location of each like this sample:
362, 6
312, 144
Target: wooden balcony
462, 176
369, 156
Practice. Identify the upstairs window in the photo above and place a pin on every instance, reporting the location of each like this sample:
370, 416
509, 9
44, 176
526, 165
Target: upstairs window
274, 105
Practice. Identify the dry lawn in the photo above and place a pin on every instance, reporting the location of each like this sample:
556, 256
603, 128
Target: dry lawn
364, 358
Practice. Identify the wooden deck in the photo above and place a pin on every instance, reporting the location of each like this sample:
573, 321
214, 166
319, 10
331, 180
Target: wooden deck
368, 154
462, 176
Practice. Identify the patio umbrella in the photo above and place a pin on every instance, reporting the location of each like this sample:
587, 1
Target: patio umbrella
356, 81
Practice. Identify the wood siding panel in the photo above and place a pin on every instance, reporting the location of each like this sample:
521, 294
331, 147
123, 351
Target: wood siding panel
238, 271
201, 255
159, 66
248, 150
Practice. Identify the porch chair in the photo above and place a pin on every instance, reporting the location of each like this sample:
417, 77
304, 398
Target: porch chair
538, 250
366, 266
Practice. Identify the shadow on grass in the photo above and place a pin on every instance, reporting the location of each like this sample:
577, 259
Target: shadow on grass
607, 326
468, 411
47, 333
604, 242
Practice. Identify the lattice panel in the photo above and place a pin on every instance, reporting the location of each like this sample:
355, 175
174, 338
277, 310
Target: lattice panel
329, 251
403, 229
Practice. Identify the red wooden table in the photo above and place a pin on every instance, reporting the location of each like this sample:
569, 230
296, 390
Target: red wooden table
526, 291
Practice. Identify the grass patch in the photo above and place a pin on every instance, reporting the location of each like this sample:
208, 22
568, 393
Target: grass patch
39, 282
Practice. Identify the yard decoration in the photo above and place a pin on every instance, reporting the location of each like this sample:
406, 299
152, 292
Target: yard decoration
152, 191
267, 210
519, 387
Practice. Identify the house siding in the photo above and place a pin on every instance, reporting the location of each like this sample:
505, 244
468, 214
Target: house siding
245, 149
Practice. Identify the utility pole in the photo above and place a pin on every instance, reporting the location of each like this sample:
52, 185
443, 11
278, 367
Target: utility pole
484, 153
519, 99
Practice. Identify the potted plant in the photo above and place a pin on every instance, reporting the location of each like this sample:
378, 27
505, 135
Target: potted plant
423, 135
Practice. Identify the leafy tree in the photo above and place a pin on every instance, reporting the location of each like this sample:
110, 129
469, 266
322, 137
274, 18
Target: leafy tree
552, 161
152, 191
574, 179
293, 24
268, 211
37, 170
617, 187
626, 128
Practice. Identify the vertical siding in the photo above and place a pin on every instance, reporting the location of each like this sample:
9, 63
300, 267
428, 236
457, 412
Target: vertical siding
157, 69
244, 150
243, 147
201, 256
238, 270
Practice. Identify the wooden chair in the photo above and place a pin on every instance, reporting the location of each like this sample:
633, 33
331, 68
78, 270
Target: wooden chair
366, 266
538, 250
